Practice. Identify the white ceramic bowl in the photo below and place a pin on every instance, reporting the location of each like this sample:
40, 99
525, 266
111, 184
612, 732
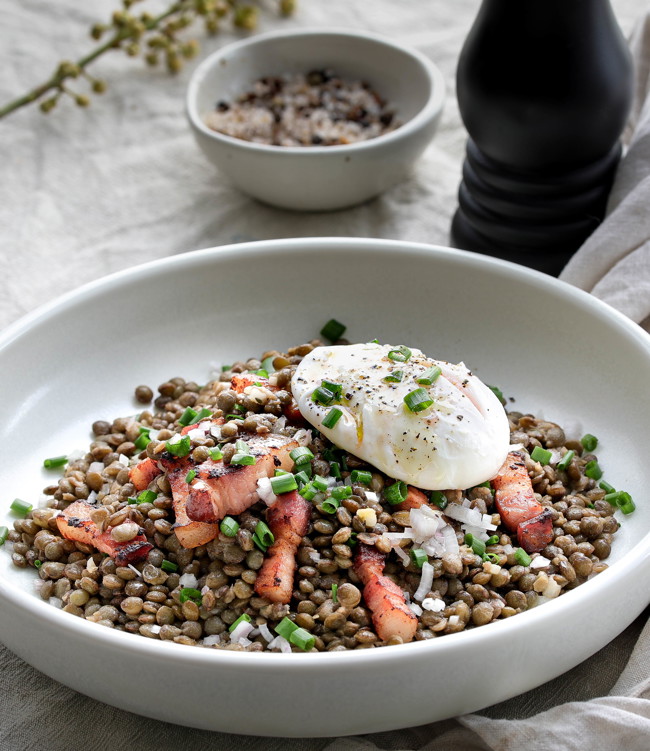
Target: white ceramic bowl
557, 350
318, 178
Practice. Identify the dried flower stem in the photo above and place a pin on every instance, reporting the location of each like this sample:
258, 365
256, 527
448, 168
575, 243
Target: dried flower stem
128, 28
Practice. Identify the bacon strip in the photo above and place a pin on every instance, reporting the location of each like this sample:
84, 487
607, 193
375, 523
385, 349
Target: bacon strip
75, 523
391, 615
518, 507
288, 520
220, 489
143, 473
414, 499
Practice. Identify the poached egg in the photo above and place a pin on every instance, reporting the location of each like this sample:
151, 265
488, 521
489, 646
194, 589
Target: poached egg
460, 440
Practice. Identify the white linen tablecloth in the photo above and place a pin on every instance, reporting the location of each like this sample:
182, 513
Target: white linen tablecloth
88, 192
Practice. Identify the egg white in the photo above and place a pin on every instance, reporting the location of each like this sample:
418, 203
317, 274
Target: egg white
458, 442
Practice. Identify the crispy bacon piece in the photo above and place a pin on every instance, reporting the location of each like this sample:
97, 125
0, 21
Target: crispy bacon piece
288, 520
190, 534
391, 615
516, 503
536, 533
241, 381
220, 489
143, 473
75, 523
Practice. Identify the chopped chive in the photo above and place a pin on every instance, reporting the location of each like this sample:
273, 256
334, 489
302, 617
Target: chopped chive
320, 483
395, 376
55, 461
342, 492
566, 460
243, 460
142, 441
478, 546
493, 540
418, 556
335, 469
418, 400
308, 492
262, 373
264, 534
498, 393
323, 396
333, 330
343, 461
302, 478
190, 476
606, 487
278, 472
20, 507
335, 589
301, 454
593, 470
225, 368
626, 504
543, 456
522, 557
234, 417
181, 447
361, 476
242, 446
400, 354
439, 499
239, 409
284, 484
330, 505
216, 454
146, 496
396, 493
187, 593
243, 617
429, 376
302, 639
332, 417
203, 414
589, 442
335, 388
285, 628
492, 557
614, 497
169, 566
4, 533
37, 563
229, 526
352, 540
267, 363
188, 417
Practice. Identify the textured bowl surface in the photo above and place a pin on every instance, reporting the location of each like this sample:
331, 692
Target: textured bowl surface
318, 178
559, 352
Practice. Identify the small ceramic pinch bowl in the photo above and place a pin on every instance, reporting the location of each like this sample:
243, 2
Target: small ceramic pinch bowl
319, 178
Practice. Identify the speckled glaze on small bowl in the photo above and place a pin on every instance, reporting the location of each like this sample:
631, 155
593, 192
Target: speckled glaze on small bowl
319, 178
560, 353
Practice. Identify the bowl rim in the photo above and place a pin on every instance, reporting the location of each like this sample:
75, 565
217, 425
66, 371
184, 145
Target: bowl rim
267, 661
431, 108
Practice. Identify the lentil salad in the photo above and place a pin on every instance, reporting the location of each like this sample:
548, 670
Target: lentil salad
206, 595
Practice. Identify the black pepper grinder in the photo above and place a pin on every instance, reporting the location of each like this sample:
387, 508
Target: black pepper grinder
544, 89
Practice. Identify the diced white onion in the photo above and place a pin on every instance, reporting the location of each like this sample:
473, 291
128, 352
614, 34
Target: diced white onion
433, 604
416, 608
188, 580
280, 642
401, 554
96, 467
407, 534
79, 454
303, 437
426, 580
243, 628
131, 566
453, 620
92, 497
56, 601
155, 629
266, 633
424, 525
244, 641
205, 590
123, 459
215, 432
265, 491
540, 562
196, 434
212, 639
552, 589
372, 497
450, 539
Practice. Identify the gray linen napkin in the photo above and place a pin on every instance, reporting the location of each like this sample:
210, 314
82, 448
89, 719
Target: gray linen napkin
614, 262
